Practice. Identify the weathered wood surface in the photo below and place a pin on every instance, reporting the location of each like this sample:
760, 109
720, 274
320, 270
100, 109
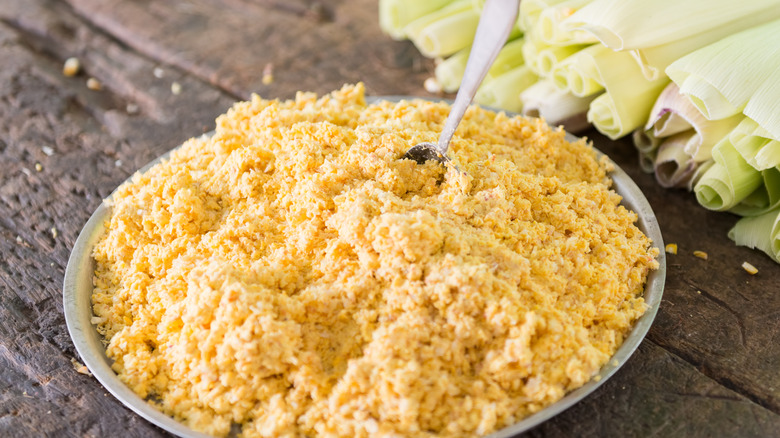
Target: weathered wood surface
710, 365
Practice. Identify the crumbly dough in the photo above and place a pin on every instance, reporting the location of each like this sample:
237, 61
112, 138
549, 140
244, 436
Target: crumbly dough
293, 275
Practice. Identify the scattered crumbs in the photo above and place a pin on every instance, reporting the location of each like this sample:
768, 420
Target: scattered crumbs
71, 67
19, 240
615, 362
752, 270
94, 84
176, 88
51, 264
432, 85
131, 108
597, 378
671, 248
26, 171
268, 74
698, 292
48, 151
118, 163
54, 232
158, 72
80, 368
38, 167
701, 254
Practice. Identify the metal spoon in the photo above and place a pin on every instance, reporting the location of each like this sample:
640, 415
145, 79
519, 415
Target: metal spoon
497, 19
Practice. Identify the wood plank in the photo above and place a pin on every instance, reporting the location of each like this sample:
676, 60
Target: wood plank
710, 368
229, 43
659, 394
714, 314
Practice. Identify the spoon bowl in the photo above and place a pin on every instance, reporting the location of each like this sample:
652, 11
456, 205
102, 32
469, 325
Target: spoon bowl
423, 152
495, 23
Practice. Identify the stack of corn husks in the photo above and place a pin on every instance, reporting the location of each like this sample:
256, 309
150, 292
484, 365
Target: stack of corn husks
696, 82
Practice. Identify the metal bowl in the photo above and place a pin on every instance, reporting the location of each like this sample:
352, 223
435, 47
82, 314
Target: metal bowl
77, 290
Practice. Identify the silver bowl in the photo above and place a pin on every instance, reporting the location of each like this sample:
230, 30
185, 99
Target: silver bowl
77, 290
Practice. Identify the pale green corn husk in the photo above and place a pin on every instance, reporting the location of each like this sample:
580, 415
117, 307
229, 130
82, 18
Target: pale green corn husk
503, 92
638, 24
543, 99
655, 60
764, 105
759, 232
628, 98
579, 73
448, 35
548, 57
729, 181
449, 72
699, 172
395, 15
766, 197
510, 57
552, 32
646, 143
673, 113
673, 167
756, 145
720, 78
530, 11
532, 45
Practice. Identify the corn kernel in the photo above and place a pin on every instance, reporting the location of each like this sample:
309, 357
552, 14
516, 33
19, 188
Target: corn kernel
268, 74
671, 248
701, 254
94, 84
71, 67
432, 86
752, 270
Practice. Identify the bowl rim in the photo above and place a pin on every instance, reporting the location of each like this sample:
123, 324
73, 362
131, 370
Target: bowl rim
78, 286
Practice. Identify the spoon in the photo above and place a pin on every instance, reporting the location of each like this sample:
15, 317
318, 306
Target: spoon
496, 21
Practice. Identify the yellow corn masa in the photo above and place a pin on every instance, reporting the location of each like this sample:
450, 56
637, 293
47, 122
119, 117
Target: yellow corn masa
292, 274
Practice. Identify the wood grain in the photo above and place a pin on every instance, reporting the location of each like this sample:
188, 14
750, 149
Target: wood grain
708, 368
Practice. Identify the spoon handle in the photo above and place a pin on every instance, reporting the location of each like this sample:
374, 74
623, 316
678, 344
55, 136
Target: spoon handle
496, 21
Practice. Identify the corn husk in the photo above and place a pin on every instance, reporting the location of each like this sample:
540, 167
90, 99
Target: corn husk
672, 166
543, 99
756, 145
444, 31
759, 232
549, 57
551, 31
638, 24
673, 113
766, 197
395, 15
530, 11
579, 73
699, 173
628, 97
719, 79
729, 181
449, 72
503, 92
764, 106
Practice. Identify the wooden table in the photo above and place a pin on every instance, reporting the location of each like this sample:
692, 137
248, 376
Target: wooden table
710, 365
